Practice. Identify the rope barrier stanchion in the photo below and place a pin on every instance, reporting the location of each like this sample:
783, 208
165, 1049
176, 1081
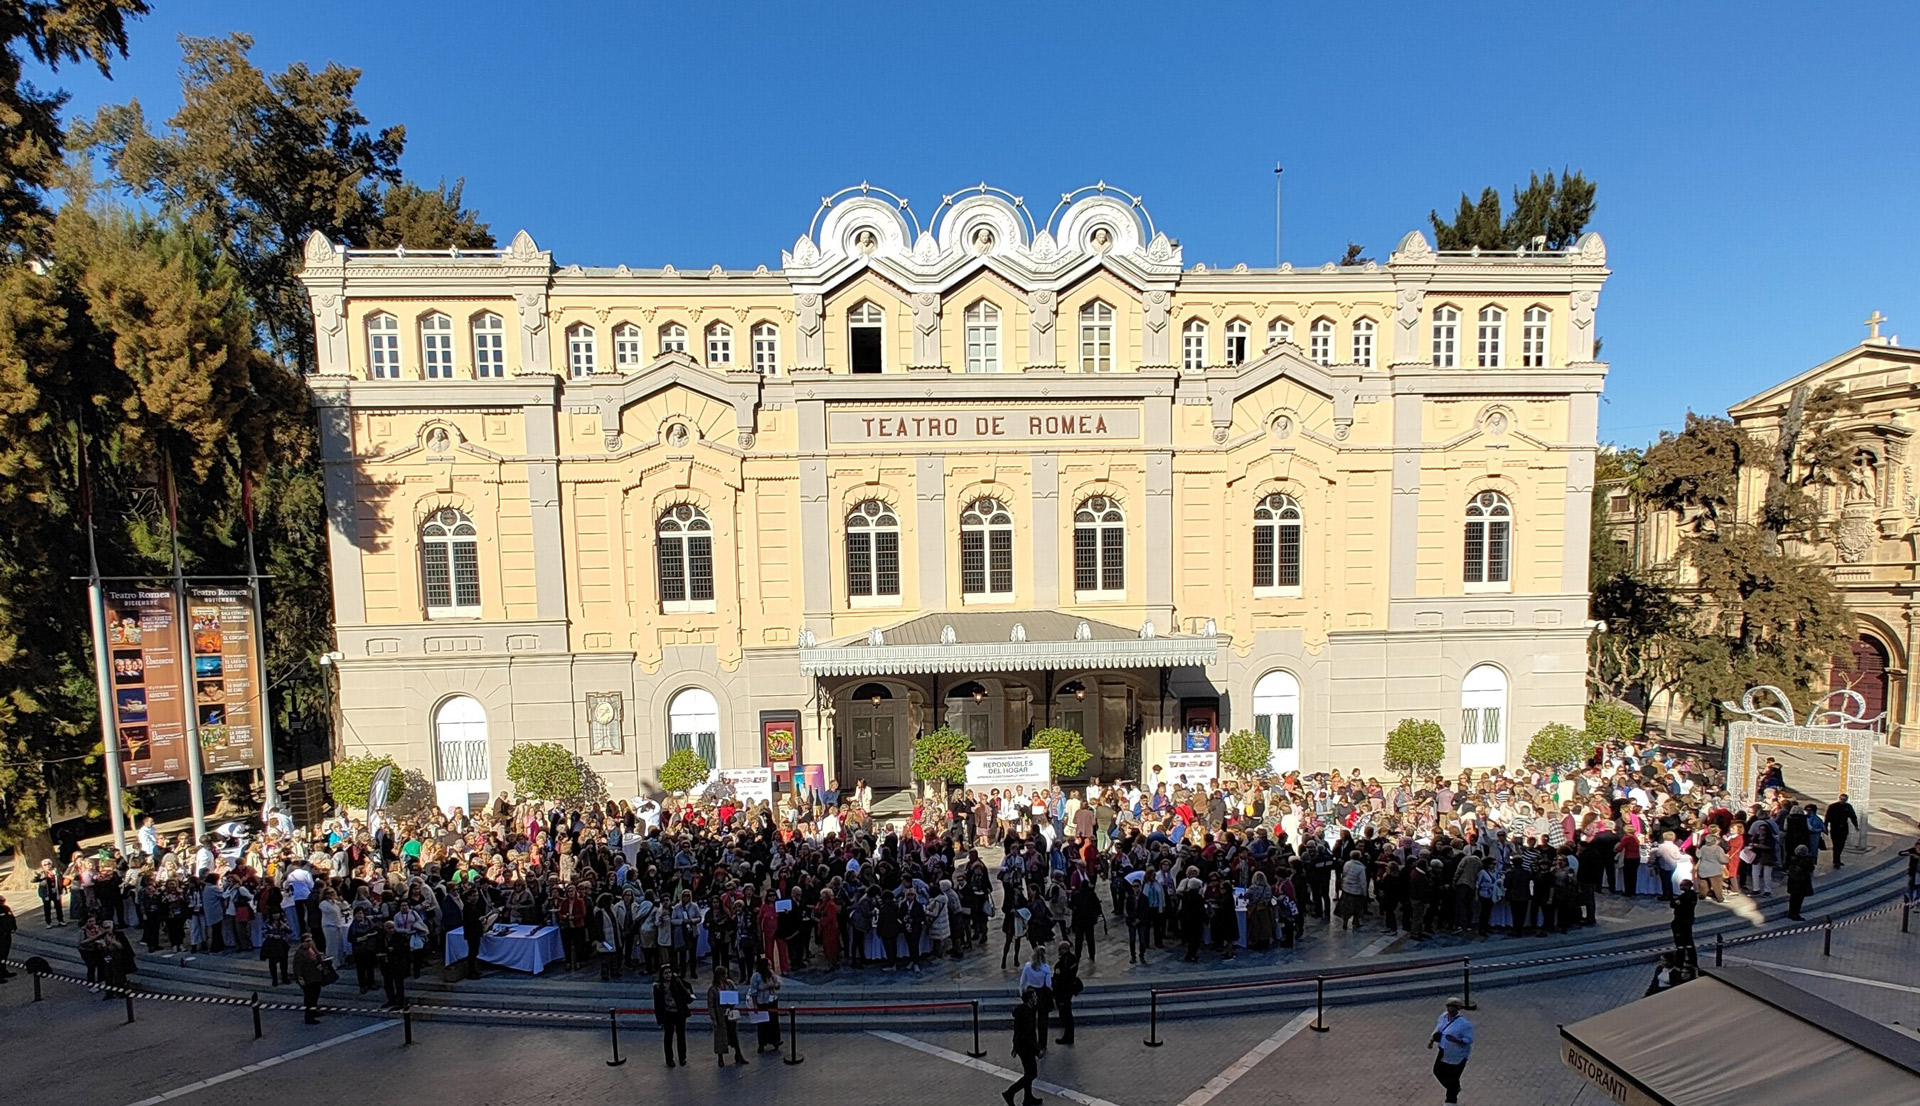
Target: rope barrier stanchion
1906, 915
977, 1052
1319, 1004
1826, 946
793, 1037
1719, 945
1466, 983
36, 983
406, 1024
256, 1015
613, 1029
129, 997
1153, 1019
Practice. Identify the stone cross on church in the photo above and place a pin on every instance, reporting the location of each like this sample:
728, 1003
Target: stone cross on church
1872, 323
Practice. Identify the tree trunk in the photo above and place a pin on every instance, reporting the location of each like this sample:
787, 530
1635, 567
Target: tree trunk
29, 849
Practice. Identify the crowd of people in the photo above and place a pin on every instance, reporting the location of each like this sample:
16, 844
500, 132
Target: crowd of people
756, 890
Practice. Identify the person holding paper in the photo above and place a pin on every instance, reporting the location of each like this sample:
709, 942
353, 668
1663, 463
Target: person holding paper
723, 1007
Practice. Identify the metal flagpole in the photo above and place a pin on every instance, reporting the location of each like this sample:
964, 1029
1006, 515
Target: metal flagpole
196, 787
262, 711
102, 663
1276, 214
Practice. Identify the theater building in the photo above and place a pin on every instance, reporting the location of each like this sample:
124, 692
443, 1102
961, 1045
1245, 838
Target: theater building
1004, 467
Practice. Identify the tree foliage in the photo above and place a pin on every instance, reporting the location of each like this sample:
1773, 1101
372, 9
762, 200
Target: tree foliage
1415, 747
427, 219
543, 770
1559, 746
1610, 723
351, 780
683, 771
1556, 209
942, 755
1247, 754
1067, 748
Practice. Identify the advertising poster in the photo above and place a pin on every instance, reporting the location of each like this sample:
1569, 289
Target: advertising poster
753, 785
226, 696
1015, 768
149, 702
1198, 769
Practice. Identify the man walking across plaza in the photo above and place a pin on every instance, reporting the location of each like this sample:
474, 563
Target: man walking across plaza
1453, 1035
1026, 1045
1841, 822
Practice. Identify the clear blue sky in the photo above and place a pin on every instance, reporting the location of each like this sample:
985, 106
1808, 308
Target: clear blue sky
1756, 161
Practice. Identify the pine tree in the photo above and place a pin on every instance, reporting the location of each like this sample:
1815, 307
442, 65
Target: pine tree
1551, 211
427, 219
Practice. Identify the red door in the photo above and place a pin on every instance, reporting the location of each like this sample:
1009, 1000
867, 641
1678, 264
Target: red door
1866, 674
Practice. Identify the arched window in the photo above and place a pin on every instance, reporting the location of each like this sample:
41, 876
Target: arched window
462, 767
436, 346
1483, 717
1492, 337
489, 345
873, 551
719, 346
583, 352
1193, 345
766, 349
1099, 548
1320, 342
693, 722
1276, 543
1279, 332
1489, 538
628, 355
1446, 337
1363, 331
986, 549
450, 564
383, 347
983, 338
1533, 338
685, 557
1236, 341
1096, 338
673, 338
1276, 713
866, 338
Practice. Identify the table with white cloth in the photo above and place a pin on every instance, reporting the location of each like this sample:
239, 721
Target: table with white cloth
522, 948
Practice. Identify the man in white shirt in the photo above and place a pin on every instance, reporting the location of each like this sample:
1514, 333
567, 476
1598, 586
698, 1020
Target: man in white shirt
299, 890
150, 839
1454, 1036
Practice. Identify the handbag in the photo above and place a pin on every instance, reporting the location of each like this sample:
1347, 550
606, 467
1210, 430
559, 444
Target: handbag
1746, 856
329, 975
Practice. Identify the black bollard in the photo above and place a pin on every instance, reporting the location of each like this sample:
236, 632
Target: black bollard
977, 1052
793, 1036
406, 1025
256, 1015
1466, 983
1826, 947
1153, 1020
613, 1027
1319, 1004
128, 995
1719, 947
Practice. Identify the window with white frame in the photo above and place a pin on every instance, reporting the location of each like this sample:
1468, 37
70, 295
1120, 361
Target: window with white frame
436, 346
450, 564
1363, 332
628, 352
1492, 337
693, 722
1489, 539
1483, 716
983, 338
583, 351
866, 338
719, 346
1237, 342
383, 347
1096, 338
766, 349
684, 550
873, 552
489, 345
1193, 345
1279, 332
1276, 543
1446, 337
986, 549
1099, 549
673, 338
1276, 714
1320, 342
1533, 338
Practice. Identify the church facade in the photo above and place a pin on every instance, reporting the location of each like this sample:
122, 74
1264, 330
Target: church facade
991, 470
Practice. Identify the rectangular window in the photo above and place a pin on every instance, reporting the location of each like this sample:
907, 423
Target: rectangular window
719, 349
973, 562
766, 352
489, 353
865, 353
1284, 739
383, 355
1497, 552
1289, 567
860, 564
886, 562
466, 574
626, 349
437, 575
1445, 339
1000, 561
700, 568
1476, 552
1470, 726
436, 352
983, 347
1363, 346
673, 571
1533, 340
1086, 568
1490, 342
1075, 720
1489, 725
1236, 347
1263, 556
1113, 576
1320, 345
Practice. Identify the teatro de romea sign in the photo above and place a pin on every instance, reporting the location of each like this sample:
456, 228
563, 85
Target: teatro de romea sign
942, 424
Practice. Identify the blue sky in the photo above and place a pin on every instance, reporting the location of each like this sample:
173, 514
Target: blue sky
1756, 161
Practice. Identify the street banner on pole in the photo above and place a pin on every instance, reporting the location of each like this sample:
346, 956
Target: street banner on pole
226, 683
146, 685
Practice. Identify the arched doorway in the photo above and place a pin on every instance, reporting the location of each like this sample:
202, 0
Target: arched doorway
872, 724
1483, 718
462, 763
693, 722
1276, 712
1863, 671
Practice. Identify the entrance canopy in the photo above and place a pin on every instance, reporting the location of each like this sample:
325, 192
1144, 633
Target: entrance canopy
1740, 1036
1007, 641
